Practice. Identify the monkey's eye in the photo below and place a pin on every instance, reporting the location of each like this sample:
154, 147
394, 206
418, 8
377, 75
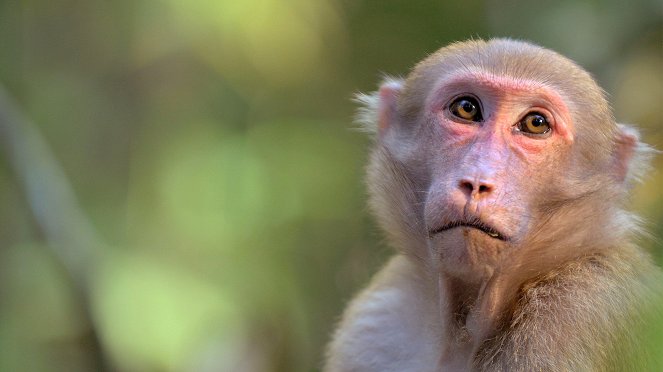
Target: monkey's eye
534, 123
466, 108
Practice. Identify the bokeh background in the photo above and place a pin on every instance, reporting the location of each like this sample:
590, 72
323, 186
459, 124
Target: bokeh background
219, 219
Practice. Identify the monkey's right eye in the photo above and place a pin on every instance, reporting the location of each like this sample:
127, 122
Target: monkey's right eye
466, 108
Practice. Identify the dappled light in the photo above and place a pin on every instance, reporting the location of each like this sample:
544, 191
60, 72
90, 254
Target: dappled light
220, 220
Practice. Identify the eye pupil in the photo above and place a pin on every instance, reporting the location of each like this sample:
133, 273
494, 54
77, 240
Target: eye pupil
538, 121
467, 106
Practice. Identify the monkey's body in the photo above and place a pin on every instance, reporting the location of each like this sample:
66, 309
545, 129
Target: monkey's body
500, 176
396, 325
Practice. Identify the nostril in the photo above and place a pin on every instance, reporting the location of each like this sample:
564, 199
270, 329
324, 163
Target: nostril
466, 186
475, 188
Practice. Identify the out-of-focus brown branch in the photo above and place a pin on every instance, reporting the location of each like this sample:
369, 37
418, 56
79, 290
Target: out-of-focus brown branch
50, 196
54, 207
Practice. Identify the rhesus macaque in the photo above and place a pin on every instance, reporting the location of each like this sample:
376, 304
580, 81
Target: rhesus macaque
501, 177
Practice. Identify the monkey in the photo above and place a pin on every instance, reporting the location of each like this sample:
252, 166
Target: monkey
501, 178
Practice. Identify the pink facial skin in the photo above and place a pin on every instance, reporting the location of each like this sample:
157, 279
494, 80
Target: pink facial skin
504, 103
495, 163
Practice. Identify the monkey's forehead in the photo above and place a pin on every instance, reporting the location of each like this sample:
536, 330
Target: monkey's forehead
503, 54
501, 83
505, 57
499, 60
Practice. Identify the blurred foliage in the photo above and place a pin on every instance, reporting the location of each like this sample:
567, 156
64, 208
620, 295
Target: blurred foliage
211, 144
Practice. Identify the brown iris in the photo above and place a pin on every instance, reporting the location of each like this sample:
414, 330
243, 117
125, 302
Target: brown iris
534, 123
466, 108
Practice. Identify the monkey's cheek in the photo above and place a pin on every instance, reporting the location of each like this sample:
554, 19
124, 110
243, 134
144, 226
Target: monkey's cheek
467, 252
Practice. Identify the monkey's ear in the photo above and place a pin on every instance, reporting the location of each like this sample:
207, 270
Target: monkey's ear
378, 109
388, 99
630, 156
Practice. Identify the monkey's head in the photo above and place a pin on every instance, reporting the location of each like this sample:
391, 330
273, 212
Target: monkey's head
486, 146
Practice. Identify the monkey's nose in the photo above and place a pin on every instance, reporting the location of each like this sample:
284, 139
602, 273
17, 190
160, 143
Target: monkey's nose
476, 188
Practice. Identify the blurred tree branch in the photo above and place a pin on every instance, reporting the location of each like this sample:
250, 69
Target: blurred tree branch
48, 192
53, 204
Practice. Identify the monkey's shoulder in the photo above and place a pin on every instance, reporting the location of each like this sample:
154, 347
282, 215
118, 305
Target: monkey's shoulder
596, 311
623, 283
620, 275
386, 327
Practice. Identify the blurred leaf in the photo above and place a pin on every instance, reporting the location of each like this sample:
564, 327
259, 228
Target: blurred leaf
155, 316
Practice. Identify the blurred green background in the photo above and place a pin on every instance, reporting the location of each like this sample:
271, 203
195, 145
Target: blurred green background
211, 145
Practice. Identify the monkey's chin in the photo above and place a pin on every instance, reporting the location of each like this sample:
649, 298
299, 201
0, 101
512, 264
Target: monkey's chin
467, 252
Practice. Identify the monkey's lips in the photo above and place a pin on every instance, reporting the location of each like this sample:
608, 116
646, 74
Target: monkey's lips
479, 225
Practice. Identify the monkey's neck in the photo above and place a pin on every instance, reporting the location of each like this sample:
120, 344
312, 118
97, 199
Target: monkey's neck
458, 299
473, 311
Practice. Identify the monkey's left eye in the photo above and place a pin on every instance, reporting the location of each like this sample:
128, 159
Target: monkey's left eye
534, 123
466, 108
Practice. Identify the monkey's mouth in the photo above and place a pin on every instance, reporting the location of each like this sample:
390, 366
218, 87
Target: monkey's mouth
488, 230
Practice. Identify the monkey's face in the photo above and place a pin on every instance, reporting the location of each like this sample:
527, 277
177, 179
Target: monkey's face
479, 150
497, 145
